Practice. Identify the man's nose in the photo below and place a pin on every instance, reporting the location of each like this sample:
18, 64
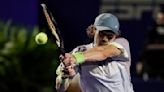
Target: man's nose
105, 39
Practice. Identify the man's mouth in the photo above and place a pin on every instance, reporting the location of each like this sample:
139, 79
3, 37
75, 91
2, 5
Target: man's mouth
103, 42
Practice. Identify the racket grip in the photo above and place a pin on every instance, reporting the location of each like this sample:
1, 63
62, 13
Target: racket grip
62, 51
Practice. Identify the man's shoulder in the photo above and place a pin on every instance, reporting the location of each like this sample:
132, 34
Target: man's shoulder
121, 40
125, 44
83, 47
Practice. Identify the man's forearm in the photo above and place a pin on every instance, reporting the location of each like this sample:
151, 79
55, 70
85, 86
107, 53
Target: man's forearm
94, 56
91, 55
100, 53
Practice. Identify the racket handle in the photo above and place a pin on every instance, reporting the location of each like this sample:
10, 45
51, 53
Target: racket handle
62, 51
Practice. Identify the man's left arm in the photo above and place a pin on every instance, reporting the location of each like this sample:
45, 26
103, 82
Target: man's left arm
95, 54
101, 53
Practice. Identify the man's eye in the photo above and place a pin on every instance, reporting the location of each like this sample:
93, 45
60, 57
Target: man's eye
110, 37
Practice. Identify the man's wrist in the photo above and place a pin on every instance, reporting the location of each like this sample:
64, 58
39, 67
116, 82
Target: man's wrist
79, 56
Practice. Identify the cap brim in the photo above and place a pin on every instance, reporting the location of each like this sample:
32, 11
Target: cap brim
100, 28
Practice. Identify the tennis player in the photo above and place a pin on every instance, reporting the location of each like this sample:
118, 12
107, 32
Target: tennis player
104, 64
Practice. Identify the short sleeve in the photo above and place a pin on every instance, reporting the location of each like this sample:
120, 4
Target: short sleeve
121, 48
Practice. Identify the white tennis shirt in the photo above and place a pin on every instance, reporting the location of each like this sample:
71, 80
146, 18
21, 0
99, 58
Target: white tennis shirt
113, 75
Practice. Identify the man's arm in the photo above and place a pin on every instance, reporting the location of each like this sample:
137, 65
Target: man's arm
60, 73
92, 55
101, 53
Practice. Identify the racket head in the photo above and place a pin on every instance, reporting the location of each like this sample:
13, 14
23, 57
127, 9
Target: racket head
54, 28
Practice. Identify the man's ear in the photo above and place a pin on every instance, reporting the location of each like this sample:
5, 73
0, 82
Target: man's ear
91, 31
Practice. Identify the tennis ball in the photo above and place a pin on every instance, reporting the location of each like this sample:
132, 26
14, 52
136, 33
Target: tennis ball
41, 38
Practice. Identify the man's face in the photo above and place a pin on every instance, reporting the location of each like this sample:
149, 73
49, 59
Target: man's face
105, 38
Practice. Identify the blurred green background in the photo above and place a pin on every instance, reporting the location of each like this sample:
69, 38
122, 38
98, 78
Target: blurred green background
24, 65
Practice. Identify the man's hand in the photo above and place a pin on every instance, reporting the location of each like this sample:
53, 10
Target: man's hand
70, 72
66, 68
69, 60
65, 71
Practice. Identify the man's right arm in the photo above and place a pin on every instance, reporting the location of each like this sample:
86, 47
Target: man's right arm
72, 71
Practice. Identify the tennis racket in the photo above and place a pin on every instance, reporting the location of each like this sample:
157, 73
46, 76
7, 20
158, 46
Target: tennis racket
59, 41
